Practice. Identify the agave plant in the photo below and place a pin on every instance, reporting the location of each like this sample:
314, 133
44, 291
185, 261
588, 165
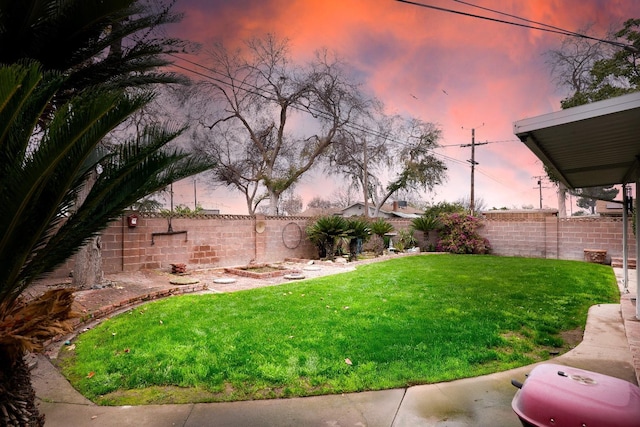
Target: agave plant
380, 227
325, 233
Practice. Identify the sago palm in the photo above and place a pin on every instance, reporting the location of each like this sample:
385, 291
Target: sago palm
380, 227
326, 232
95, 43
359, 232
41, 225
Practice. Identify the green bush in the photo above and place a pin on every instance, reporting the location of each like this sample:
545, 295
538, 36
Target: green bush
380, 227
459, 235
325, 232
405, 240
359, 232
444, 208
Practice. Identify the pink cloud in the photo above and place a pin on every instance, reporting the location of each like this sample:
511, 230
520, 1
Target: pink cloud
410, 56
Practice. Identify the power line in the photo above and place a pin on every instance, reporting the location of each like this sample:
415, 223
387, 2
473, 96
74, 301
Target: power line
483, 143
317, 112
353, 126
543, 27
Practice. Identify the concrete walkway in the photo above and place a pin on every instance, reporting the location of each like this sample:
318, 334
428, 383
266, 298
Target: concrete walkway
481, 401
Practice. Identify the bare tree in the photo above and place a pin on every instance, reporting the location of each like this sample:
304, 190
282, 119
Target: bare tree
571, 64
479, 204
389, 154
343, 197
570, 67
273, 120
290, 204
593, 70
320, 203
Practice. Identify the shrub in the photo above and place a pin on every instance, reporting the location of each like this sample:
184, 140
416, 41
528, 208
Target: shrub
182, 211
405, 240
326, 232
459, 235
358, 232
444, 208
425, 224
380, 227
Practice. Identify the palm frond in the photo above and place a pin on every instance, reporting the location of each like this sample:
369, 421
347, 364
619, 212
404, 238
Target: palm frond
42, 222
25, 325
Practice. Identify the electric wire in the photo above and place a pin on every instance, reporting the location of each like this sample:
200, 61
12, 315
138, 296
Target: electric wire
255, 90
549, 28
353, 126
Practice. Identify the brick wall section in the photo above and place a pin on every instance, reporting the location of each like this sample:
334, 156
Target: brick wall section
515, 233
209, 241
234, 240
577, 234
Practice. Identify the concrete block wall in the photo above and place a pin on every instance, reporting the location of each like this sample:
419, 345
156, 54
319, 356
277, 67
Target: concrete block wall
518, 233
205, 242
235, 240
541, 234
577, 234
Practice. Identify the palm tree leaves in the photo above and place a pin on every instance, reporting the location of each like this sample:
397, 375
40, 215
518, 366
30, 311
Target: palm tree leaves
110, 42
41, 220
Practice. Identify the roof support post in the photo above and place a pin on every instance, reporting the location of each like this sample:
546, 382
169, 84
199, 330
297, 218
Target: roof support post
637, 208
625, 236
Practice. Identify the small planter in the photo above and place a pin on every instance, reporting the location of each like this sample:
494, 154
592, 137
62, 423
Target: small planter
598, 256
260, 271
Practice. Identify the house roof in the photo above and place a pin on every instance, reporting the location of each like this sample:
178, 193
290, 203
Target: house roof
597, 144
315, 212
401, 212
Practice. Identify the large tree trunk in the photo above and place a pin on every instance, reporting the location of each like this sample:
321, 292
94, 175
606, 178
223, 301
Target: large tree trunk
17, 397
87, 272
274, 199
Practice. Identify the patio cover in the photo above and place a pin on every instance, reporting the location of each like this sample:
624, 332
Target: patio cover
596, 144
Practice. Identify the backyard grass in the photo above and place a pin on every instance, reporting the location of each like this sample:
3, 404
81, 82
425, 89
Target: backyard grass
406, 321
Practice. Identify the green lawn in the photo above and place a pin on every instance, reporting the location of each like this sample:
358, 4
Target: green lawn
409, 320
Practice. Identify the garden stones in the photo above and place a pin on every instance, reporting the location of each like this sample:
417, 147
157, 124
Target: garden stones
183, 280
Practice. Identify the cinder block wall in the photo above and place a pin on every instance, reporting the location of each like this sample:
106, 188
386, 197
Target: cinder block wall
541, 234
233, 240
203, 242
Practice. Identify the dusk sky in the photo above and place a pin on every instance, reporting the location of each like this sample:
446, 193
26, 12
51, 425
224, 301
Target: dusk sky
456, 71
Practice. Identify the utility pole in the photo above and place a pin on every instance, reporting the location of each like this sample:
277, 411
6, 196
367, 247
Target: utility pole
540, 187
195, 195
473, 166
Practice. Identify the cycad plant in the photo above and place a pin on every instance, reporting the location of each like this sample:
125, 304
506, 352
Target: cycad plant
42, 168
426, 223
325, 233
359, 232
380, 227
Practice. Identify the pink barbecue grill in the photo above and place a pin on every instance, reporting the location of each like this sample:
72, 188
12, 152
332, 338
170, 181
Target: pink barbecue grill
562, 396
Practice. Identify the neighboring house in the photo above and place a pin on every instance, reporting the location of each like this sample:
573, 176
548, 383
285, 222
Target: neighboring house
395, 210
606, 208
317, 212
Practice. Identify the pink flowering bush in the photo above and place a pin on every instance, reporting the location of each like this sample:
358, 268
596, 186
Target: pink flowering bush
459, 235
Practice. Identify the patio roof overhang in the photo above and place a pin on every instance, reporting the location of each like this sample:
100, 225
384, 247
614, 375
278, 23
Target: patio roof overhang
597, 144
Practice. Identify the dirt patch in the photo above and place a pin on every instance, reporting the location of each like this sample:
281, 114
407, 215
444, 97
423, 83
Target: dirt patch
572, 337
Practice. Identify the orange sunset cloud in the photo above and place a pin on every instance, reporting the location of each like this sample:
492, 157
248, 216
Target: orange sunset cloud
457, 71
